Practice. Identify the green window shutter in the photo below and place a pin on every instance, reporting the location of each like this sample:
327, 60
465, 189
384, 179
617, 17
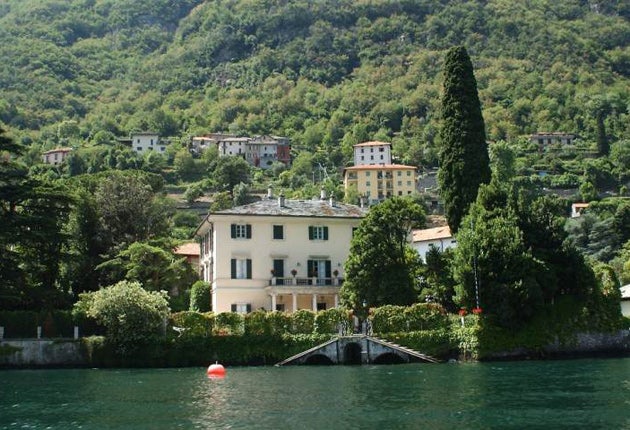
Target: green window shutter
249, 307
325, 233
233, 230
248, 231
249, 268
233, 307
310, 268
310, 232
328, 269
233, 268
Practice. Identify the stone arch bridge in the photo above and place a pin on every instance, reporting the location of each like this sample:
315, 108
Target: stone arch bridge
358, 349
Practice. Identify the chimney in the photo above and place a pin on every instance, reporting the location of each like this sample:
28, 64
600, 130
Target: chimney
281, 200
322, 194
270, 192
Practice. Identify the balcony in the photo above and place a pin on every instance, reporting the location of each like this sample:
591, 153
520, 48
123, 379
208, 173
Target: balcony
305, 282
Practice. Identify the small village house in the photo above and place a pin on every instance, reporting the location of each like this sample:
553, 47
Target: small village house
437, 237
56, 156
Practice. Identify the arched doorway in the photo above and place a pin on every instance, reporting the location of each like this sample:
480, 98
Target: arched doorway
352, 353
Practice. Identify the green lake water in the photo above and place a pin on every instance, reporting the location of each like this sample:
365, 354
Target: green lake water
571, 394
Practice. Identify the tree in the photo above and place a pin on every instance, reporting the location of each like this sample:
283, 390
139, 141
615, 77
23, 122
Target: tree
132, 316
200, 297
382, 268
463, 157
33, 212
231, 171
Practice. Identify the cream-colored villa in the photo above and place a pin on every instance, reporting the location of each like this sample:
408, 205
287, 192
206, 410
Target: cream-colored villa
277, 254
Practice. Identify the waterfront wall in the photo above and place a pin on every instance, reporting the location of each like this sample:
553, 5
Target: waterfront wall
617, 343
41, 353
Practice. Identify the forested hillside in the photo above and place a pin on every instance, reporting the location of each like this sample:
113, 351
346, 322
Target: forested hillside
327, 74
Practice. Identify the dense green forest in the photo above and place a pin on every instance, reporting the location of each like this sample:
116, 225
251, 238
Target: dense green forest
326, 74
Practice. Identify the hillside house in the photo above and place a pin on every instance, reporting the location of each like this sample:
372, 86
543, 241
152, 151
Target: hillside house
143, 142
437, 237
546, 139
277, 254
259, 151
56, 156
375, 177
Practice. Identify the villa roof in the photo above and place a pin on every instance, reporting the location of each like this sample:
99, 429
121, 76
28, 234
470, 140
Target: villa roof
436, 233
295, 208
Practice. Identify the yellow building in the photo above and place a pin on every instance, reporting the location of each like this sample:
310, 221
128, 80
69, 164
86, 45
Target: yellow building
277, 254
377, 182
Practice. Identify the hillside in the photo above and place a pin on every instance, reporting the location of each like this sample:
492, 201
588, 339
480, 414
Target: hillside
325, 73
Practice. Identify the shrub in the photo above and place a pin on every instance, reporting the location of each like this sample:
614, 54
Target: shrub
229, 323
330, 320
193, 323
303, 321
200, 297
389, 319
426, 316
131, 315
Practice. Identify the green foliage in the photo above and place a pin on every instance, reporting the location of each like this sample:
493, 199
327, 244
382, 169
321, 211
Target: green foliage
200, 297
132, 316
302, 321
464, 161
331, 320
193, 323
229, 323
382, 268
419, 316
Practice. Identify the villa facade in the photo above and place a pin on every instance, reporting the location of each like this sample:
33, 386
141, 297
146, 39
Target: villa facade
277, 254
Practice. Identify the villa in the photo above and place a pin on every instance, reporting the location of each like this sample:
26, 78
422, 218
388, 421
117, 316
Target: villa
277, 254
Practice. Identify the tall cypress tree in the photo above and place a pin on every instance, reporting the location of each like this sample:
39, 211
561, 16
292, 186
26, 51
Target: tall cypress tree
463, 157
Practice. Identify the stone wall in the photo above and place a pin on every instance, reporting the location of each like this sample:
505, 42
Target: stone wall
41, 353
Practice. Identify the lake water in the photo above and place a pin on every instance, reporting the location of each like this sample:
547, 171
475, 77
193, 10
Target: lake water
589, 394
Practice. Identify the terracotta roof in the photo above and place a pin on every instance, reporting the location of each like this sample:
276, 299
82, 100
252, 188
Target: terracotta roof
380, 167
428, 234
190, 248
372, 143
52, 151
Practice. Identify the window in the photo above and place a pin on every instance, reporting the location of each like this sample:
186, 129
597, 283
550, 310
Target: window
241, 231
371, 157
278, 232
321, 306
280, 307
317, 232
241, 308
408, 173
367, 174
367, 183
320, 269
381, 149
400, 183
399, 173
241, 268
138, 148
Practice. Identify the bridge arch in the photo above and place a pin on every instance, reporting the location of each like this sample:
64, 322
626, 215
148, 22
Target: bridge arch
318, 359
352, 353
389, 358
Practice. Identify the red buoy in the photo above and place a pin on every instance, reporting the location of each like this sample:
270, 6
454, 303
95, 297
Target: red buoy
216, 371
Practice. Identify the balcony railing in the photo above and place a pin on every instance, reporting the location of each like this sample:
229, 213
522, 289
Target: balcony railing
298, 281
